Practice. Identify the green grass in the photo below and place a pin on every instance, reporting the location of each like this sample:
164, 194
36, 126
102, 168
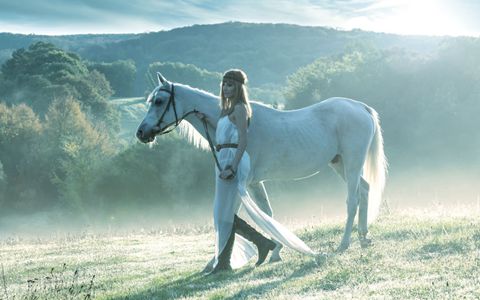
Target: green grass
412, 258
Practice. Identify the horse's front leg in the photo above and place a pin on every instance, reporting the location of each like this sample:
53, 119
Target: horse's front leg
260, 196
353, 181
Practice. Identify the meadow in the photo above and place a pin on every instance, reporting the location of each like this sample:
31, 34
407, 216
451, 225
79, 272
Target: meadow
414, 256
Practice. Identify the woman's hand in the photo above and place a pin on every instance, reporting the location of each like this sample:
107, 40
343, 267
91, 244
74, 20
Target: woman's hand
228, 173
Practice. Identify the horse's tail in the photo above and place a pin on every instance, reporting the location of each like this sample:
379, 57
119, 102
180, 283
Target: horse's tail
375, 169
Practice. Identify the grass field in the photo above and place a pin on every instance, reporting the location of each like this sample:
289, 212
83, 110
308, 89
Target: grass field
412, 258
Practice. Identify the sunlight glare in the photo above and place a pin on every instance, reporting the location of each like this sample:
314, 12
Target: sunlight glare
424, 17
427, 17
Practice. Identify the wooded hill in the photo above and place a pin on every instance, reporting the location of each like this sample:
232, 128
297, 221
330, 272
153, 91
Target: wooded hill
267, 52
66, 103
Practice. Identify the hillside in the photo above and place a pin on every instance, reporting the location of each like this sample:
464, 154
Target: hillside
10, 41
268, 52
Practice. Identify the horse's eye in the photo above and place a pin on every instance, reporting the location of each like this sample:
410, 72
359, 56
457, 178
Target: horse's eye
157, 101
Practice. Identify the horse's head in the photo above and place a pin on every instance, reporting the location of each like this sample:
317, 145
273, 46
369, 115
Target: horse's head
164, 113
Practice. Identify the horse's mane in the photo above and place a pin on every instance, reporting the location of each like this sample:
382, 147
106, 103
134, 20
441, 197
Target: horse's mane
201, 92
186, 130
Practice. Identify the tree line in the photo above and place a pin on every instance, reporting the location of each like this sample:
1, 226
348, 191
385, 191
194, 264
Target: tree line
428, 104
59, 145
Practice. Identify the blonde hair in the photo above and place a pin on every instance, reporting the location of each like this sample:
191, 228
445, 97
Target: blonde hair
239, 79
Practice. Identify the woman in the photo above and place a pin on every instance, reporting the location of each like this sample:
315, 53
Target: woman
231, 181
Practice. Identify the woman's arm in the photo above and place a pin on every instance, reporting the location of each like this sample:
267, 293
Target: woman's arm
241, 121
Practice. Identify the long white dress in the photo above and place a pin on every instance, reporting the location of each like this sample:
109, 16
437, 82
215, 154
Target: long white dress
230, 194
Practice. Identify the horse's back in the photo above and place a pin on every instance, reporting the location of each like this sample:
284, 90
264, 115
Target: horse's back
325, 108
339, 106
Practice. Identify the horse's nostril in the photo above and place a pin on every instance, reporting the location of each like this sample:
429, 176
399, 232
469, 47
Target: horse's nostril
139, 133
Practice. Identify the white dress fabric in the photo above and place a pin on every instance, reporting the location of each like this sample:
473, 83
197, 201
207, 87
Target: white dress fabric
229, 194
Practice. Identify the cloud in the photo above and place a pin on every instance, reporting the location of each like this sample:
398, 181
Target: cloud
114, 16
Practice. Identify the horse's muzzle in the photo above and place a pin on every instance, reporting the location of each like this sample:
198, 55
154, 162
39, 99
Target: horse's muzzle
145, 137
146, 134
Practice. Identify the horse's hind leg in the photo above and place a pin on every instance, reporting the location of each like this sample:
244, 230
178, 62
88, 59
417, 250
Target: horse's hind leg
363, 214
353, 182
260, 196
338, 167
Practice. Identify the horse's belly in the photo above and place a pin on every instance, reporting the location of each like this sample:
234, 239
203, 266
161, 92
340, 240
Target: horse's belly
290, 173
294, 164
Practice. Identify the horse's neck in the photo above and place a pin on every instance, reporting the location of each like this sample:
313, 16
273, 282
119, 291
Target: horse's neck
193, 99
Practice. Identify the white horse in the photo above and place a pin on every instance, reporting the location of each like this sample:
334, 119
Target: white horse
340, 132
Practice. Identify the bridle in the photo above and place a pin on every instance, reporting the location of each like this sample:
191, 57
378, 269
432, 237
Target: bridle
171, 102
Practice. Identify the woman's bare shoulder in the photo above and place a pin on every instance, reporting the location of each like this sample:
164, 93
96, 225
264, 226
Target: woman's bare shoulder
240, 115
239, 108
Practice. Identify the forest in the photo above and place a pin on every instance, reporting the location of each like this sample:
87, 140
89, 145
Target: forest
62, 110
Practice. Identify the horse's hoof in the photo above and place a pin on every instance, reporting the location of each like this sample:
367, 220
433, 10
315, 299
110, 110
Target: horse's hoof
365, 243
274, 259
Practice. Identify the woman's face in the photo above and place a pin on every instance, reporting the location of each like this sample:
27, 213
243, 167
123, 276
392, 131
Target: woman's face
228, 88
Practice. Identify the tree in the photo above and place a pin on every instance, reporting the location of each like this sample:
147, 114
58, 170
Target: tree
312, 82
73, 149
42, 73
3, 184
169, 173
427, 104
121, 74
24, 184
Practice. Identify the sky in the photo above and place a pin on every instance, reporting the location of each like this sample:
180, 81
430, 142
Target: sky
417, 17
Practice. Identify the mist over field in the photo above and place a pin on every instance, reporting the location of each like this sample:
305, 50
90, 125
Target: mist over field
87, 167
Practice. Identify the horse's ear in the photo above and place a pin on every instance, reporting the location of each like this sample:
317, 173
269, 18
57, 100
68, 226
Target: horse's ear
160, 78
